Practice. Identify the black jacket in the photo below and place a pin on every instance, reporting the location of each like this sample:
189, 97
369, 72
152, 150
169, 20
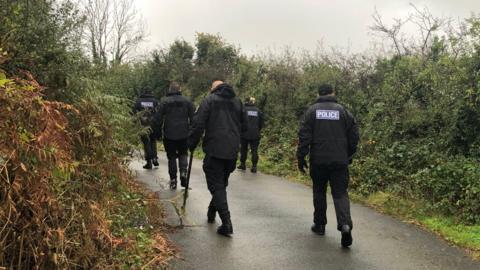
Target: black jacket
328, 132
220, 116
148, 104
254, 122
175, 114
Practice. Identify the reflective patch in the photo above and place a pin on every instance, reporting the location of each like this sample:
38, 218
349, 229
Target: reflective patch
146, 104
252, 113
328, 115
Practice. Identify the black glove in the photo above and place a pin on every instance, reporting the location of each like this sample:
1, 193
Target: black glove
302, 164
157, 134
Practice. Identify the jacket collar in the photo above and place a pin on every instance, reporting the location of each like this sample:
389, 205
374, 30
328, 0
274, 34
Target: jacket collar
146, 95
322, 99
224, 90
176, 93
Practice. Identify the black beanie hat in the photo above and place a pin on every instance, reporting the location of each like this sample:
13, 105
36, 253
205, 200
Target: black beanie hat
325, 89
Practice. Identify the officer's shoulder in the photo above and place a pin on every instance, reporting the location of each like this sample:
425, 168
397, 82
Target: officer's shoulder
340, 105
207, 99
344, 109
314, 106
164, 99
185, 99
239, 101
210, 96
318, 105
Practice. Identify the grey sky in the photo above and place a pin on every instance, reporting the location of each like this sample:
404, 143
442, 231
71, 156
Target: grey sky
256, 25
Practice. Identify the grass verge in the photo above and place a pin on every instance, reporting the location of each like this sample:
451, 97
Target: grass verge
464, 236
137, 223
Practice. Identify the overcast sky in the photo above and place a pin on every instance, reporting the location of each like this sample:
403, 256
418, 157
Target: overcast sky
257, 25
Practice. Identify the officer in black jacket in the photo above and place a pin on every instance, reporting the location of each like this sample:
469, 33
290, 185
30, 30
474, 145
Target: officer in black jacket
329, 134
175, 114
251, 137
147, 104
220, 117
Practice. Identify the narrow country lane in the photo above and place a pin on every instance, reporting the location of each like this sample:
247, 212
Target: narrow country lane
272, 218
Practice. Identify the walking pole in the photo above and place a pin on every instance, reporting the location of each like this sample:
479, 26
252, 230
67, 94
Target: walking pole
189, 172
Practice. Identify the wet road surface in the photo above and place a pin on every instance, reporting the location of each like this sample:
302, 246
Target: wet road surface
271, 220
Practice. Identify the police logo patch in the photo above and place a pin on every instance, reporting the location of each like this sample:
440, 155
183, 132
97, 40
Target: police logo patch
252, 113
328, 115
147, 104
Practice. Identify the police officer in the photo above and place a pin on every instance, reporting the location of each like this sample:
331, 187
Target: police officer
175, 114
147, 104
251, 137
329, 134
220, 117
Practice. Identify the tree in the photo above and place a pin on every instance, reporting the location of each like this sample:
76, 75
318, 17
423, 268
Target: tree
170, 64
43, 37
113, 29
215, 59
425, 22
128, 30
97, 28
390, 32
427, 25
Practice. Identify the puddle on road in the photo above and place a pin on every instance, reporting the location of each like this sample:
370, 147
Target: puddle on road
162, 187
177, 203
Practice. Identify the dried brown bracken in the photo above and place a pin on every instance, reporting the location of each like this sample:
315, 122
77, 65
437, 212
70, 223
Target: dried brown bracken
55, 172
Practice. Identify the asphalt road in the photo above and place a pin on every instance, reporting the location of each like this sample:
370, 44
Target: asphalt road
271, 220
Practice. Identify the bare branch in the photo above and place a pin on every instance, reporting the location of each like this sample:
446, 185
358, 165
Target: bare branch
114, 29
458, 37
392, 32
427, 25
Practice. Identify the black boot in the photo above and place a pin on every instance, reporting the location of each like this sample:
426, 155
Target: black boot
226, 229
211, 214
242, 166
183, 178
148, 166
346, 236
155, 162
318, 229
254, 169
173, 183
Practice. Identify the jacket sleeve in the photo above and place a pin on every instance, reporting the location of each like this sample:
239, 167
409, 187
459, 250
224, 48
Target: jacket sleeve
243, 119
305, 135
261, 121
160, 115
352, 134
157, 122
199, 123
136, 107
191, 112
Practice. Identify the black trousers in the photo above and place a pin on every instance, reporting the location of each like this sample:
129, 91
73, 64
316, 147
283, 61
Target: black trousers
338, 177
176, 149
149, 146
244, 144
217, 172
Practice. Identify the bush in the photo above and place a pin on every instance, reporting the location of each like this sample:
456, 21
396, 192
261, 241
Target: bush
370, 175
451, 187
60, 180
